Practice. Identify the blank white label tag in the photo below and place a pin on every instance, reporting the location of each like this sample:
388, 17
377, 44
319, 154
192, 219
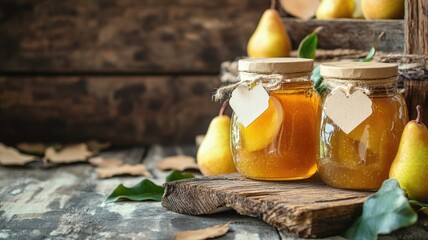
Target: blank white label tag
348, 112
247, 104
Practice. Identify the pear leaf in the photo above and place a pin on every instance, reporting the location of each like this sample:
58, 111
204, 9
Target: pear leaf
145, 190
383, 212
175, 175
372, 51
142, 191
418, 205
308, 45
318, 80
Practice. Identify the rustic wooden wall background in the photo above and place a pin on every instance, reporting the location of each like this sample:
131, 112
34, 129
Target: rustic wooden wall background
130, 72
143, 72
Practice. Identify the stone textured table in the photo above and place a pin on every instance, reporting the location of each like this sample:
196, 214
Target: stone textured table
67, 202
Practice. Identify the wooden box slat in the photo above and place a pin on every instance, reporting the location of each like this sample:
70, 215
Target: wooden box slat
349, 33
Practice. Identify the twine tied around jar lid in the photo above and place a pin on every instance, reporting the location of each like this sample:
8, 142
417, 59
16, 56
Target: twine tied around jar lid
367, 77
270, 72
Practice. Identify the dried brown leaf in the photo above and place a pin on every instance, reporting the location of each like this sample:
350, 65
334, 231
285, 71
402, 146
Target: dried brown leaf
211, 232
179, 162
68, 154
11, 156
95, 146
304, 9
34, 148
105, 163
135, 170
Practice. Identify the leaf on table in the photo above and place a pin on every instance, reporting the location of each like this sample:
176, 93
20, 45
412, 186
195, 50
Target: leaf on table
142, 191
175, 175
33, 148
211, 232
418, 205
11, 156
308, 45
105, 163
68, 154
303, 9
95, 146
383, 212
126, 169
179, 162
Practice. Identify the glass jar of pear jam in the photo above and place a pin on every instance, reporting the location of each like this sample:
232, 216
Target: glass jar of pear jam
283, 142
360, 157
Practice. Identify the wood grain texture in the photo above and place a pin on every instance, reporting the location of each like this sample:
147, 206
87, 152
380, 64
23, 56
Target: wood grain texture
349, 34
121, 110
416, 31
307, 208
124, 36
417, 94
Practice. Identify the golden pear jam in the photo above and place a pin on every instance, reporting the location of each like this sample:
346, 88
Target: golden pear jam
283, 142
361, 159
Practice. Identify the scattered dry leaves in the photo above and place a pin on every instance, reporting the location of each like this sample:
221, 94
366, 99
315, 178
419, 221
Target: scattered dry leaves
33, 148
95, 146
135, 170
105, 163
179, 163
211, 232
68, 154
11, 156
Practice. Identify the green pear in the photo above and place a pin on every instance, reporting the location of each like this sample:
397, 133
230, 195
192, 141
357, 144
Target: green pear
410, 166
270, 39
214, 156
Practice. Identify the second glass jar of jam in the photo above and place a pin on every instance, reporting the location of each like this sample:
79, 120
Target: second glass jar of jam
360, 157
283, 142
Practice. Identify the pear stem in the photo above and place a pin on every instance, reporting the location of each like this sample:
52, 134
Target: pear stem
272, 4
419, 116
223, 108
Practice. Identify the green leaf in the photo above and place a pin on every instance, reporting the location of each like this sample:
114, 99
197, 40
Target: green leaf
383, 212
308, 45
418, 205
372, 51
142, 191
175, 175
318, 80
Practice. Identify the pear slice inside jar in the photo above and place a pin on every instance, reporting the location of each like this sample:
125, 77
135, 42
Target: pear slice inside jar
263, 131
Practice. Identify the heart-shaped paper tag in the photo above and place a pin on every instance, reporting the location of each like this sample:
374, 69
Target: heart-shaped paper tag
348, 112
249, 104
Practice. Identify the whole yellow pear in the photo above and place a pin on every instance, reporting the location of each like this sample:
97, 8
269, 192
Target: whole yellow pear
329, 9
383, 9
410, 166
270, 39
214, 156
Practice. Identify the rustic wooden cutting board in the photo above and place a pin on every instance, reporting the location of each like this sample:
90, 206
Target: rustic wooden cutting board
307, 208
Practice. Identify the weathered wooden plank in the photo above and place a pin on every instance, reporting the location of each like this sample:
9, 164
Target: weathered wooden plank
416, 31
349, 33
121, 110
124, 36
66, 202
307, 208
